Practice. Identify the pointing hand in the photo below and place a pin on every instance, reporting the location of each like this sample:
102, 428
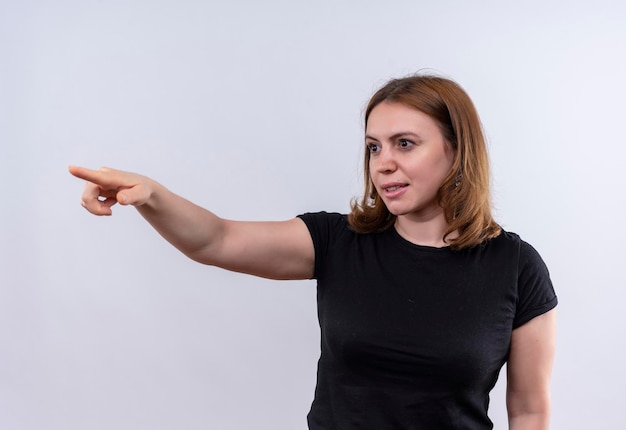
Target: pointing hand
106, 187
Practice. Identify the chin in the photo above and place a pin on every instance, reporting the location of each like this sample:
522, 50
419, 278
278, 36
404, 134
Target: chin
396, 211
419, 211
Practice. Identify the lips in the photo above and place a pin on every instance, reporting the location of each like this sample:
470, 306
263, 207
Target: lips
392, 186
393, 189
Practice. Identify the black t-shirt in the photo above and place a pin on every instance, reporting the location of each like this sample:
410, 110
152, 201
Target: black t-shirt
413, 337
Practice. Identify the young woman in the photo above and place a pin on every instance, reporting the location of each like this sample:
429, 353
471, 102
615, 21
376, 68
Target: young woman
422, 297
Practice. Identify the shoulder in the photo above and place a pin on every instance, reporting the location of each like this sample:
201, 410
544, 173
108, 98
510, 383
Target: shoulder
323, 216
511, 241
528, 257
325, 223
506, 238
329, 232
509, 250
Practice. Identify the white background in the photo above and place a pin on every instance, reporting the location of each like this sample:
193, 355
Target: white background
254, 110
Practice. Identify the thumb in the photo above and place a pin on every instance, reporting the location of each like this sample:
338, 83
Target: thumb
133, 196
122, 198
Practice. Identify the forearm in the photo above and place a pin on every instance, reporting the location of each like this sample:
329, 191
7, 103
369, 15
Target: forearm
187, 226
528, 373
530, 421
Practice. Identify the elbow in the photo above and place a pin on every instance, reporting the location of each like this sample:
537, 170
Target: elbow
529, 411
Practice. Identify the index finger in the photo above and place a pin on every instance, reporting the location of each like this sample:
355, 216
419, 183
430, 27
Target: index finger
90, 175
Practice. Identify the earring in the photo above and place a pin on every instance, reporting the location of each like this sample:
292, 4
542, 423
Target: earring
457, 181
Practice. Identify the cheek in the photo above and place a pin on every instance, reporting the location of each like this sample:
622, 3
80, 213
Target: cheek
443, 162
450, 155
371, 169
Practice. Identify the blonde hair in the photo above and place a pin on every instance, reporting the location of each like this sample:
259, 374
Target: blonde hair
464, 194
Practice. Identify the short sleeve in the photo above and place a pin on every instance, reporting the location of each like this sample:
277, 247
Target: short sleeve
535, 292
323, 227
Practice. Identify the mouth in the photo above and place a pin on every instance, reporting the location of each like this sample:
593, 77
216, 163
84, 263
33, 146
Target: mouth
393, 188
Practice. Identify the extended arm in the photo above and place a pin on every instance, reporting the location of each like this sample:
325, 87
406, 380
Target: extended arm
278, 250
528, 373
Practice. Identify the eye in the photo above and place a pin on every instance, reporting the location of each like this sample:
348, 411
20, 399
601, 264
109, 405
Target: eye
373, 148
405, 143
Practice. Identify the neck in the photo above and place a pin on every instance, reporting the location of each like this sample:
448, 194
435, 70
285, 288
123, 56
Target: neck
424, 231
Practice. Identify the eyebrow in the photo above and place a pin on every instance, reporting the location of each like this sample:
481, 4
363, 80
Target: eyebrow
395, 135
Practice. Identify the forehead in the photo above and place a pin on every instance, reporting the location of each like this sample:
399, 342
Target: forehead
391, 118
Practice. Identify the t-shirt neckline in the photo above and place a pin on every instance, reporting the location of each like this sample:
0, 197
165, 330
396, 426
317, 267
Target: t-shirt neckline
398, 238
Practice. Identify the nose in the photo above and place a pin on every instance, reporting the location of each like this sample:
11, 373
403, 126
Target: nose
384, 161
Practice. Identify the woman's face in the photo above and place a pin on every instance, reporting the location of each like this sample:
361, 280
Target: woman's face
409, 159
